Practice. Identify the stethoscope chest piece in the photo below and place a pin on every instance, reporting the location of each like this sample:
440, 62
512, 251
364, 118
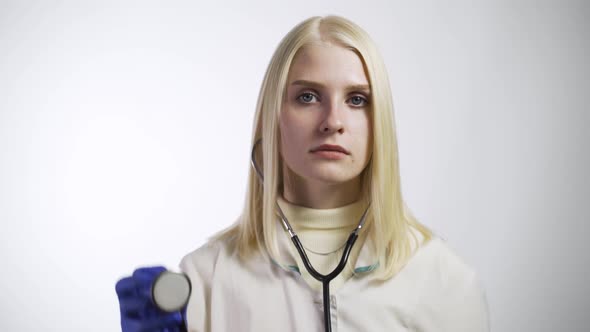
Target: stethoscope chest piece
171, 291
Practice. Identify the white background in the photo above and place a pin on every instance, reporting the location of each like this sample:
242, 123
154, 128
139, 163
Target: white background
125, 130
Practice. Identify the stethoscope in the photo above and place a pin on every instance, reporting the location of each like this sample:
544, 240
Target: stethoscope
171, 291
324, 279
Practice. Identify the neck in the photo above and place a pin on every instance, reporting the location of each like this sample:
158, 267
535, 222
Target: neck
320, 195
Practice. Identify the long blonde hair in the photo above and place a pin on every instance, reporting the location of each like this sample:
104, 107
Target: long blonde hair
389, 221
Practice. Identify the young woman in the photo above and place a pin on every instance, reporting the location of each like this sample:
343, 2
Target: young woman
324, 194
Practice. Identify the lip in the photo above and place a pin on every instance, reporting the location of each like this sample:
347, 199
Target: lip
330, 147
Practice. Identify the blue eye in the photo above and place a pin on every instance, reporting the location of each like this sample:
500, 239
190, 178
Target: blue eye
358, 101
306, 97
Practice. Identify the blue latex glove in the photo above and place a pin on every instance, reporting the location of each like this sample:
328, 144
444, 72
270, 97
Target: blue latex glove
138, 312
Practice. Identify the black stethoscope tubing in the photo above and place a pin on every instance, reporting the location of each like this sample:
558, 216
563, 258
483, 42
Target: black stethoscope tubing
324, 279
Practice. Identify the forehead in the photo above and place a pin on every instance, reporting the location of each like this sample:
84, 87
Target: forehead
327, 63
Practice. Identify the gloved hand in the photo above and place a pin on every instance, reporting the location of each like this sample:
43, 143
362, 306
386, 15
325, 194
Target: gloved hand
138, 312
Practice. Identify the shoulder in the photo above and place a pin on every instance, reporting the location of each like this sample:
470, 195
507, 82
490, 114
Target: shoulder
442, 264
442, 274
451, 292
203, 265
203, 260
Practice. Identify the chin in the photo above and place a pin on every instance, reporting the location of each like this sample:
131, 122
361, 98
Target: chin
332, 176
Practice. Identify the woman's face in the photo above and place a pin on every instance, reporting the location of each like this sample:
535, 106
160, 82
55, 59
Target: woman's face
325, 126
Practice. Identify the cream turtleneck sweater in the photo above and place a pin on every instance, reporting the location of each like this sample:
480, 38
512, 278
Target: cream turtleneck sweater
323, 234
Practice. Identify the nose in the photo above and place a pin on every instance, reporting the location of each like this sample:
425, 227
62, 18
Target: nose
332, 121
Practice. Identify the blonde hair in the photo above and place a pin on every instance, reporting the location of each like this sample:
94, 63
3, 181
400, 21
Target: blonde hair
389, 221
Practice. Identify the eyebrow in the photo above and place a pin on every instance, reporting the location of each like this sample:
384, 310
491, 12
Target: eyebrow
316, 85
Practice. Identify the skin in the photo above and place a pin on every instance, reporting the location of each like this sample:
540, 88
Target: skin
334, 110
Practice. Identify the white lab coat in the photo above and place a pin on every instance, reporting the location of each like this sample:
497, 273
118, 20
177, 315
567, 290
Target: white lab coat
435, 292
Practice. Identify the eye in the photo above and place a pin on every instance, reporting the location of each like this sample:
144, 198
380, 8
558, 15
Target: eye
359, 101
306, 97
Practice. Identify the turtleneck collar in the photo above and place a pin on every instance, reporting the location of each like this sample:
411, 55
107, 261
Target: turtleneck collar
301, 217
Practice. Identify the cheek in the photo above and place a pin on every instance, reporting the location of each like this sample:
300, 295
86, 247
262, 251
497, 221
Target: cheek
363, 136
288, 134
291, 128
363, 128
